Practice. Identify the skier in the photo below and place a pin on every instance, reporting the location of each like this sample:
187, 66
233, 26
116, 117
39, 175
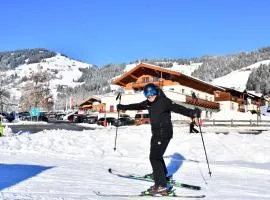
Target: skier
159, 108
192, 129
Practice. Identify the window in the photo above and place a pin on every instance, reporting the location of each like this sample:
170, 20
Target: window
155, 78
145, 79
232, 106
183, 91
171, 89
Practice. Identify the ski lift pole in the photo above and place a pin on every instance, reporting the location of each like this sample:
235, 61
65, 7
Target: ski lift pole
195, 99
118, 114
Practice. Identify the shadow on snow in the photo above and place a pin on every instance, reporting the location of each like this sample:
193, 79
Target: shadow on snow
176, 161
12, 174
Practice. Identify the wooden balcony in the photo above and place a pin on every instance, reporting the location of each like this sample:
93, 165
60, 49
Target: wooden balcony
202, 103
140, 85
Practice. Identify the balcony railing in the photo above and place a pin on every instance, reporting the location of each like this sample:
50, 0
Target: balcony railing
202, 103
142, 84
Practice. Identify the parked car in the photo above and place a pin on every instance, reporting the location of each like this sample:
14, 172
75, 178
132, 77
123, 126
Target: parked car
109, 120
24, 116
90, 119
59, 116
70, 116
66, 116
3, 114
124, 121
51, 115
43, 117
78, 118
10, 116
142, 118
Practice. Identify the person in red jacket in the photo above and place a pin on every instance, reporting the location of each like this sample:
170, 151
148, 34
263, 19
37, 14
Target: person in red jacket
159, 107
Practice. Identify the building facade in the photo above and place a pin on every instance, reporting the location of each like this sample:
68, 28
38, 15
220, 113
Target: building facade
178, 87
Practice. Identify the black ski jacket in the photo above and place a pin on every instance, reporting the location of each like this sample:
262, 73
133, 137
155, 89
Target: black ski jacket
160, 114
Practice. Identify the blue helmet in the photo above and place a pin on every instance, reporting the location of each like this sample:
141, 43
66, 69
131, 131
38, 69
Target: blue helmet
150, 90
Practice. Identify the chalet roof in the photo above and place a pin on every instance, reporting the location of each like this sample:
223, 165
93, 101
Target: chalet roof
90, 101
237, 92
156, 71
233, 91
259, 95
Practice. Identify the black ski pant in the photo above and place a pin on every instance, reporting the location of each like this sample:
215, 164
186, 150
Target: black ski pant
157, 150
192, 129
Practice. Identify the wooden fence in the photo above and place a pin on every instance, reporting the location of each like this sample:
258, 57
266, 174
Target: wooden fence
233, 122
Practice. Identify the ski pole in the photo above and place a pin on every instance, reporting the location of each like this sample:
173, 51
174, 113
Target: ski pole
118, 114
209, 171
195, 99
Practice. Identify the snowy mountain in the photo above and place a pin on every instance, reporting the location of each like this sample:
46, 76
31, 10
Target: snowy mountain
185, 69
65, 72
238, 79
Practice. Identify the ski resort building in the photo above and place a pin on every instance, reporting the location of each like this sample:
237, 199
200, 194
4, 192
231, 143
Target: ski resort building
178, 87
92, 104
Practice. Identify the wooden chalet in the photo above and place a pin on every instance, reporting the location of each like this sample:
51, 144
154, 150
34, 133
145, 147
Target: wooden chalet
144, 73
245, 100
93, 103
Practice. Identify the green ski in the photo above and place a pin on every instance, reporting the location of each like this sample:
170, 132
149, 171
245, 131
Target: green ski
145, 178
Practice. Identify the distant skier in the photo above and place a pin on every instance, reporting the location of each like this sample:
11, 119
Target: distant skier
192, 124
159, 108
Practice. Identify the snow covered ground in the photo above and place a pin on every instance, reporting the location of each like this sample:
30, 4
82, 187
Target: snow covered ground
62, 164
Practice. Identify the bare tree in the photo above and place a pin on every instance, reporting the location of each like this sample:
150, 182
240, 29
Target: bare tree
4, 94
36, 92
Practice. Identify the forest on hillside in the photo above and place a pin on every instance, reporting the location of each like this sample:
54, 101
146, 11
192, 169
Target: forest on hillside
259, 80
12, 59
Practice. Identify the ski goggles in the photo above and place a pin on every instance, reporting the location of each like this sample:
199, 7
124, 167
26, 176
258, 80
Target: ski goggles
150, 92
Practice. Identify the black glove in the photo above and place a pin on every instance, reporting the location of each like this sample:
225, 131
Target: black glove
197, 112
120, 107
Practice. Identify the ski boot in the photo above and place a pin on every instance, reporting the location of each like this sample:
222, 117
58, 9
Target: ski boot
150, 190
158, 191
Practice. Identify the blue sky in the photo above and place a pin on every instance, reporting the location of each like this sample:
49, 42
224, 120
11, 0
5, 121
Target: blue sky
120, 31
